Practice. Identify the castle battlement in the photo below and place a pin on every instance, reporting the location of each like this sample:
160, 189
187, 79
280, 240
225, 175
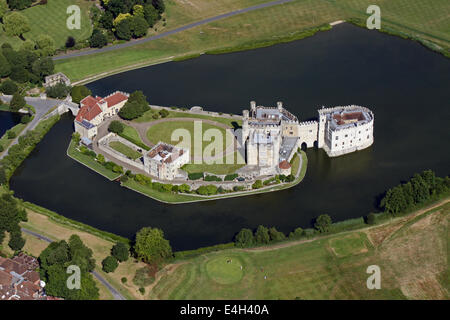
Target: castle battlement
308, 123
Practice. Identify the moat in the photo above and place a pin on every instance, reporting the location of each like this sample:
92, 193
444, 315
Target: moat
405, 85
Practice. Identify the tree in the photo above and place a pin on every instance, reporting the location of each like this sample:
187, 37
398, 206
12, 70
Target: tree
323, 223
262, 235
59, 91
109, 264
16, 24
70, 42
106, 20
46, 45
16, 242
371, 218
151, 246
124, 29
19, 74
297, 233
420, 189
17, 102
429, 178
394, 201
121, 251
54, 261
9, 87
43, 67
3, 8
244, 238
276, 235
97, 39
3, 178
159, 5
258, 184
5, 67
151, 14
116, 127
139, 26
19, 4
78, 93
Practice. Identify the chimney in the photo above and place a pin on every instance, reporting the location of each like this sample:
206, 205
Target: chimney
280, 106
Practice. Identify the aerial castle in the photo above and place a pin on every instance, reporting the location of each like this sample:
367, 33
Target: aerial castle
271, 136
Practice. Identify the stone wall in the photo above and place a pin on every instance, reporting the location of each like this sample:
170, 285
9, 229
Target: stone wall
103, 145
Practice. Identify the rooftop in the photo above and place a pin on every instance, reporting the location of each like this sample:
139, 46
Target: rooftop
165, 153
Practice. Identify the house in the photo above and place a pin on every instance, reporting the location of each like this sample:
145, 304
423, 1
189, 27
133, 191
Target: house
19, 280
164, 160
93, 111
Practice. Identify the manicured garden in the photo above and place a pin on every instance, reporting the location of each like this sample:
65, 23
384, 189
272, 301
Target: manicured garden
125, 150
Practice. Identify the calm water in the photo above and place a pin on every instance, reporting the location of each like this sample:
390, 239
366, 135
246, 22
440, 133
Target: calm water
406, 85
7, 121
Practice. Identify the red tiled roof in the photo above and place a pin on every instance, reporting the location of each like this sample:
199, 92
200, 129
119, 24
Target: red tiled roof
10, 265
115, 99
88, 112
90, 101
284, 165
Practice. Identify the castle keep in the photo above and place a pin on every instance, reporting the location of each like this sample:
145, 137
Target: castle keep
270, 136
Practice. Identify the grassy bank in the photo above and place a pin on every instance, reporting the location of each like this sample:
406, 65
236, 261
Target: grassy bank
5, 142
90, 162
267, 26
411, 252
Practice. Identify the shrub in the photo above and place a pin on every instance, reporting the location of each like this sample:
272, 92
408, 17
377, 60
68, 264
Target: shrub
121, 251
238, 188
142, 290
109, 264
323, 223
163, 113
70, 42
25, 119
231, 177
116, 127
371, 218
207, 190
17, 102
195, 175
9, 87
123, 280
58, 91
78, 93
297, 233
257, 185
124, 178
11, 134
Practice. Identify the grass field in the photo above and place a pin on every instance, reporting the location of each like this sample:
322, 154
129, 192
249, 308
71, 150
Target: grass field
125, 150
219, 169
148, 117
427, 21
5, 142
413, 266
51, 19
90, 162
163, 132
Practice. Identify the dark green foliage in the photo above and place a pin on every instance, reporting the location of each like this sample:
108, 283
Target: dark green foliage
163, 113
19, 74
159, 5
121, 251
106, 20
19, 4
11, 134
124, 29
116, 127
296, 234
262, 235
207, 190
43, 67
151, 246
139, 26
9, 87
54, 261
135, 107
195, 175
98, 39
78, 93
59, 91
323, 223
276, 235
17, 102
25, 119
109, 264
5, 67
231, 177
11, 214
151, 14
142, 290
123, 280
2, 172
70, 42
258, 184
244, 238
371, 218
200, 251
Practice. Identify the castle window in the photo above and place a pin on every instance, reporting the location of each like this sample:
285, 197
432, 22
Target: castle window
346, 135
335, 145
367, 137
342, 142
337, 137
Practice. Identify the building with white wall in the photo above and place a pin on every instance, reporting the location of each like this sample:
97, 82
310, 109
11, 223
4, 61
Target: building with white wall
164, 161
93, 111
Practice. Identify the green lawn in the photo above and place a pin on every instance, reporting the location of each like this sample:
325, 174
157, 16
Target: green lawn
125, 150
413, 17
132, 135
163, 132
218, 169
51, 19
225, 269
355, 243
90, 162
148, 117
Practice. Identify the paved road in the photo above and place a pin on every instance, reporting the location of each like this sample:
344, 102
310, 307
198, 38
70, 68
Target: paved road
174, 31
114, 292
42, 106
